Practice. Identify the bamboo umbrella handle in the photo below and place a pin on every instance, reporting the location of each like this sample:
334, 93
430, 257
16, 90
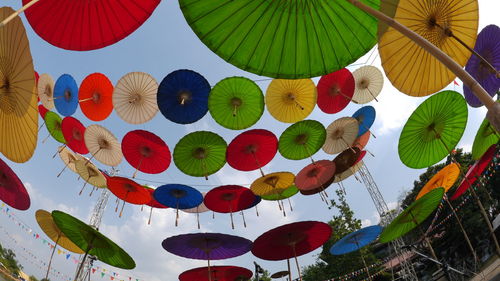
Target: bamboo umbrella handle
16, 13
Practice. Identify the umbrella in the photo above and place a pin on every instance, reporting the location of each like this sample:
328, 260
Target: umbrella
290, 101
12, 190
229, 199
178, 196
280, 194
412, 69
291, 241
433, 130
200, 154
69, 158
49, 227
302, 139
66, 95
134, 97
236, 103
335, 91
347, 159
445, 178
201, 208
146, 152
252, 150
283, 39
280, 274
273, 186
53, 122
485, 137
42, 110
153, 203
369, 82
87, 26
95, 96
219, 273
362, 141
183, 96
365, 117
18, 99
352, 169
315, 177
341, 134
413, 215
90, 174
73, 132
92, 242
128, 191
45, 88
103, 145
488, 47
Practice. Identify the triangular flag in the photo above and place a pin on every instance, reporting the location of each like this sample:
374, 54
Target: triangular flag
455, 83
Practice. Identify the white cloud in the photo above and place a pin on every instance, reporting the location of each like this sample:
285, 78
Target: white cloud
366, 222
46, 203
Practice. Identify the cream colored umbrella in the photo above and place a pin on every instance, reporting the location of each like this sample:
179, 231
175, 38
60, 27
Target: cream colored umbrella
292, 100
134, 97
90, 174
198, 209
369, 81
103, 145
46, 90
69, 158
340, 135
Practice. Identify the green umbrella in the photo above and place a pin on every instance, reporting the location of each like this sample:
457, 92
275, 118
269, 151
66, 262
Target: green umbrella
433, 130
284, 39
302, 139
200, 154
485, 137
53, 123
236, 103
92, 242
412, 216
283, 194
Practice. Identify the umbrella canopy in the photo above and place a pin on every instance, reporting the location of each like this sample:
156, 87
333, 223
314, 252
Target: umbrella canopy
73, 132
90, 173
103, 145
280, 195
302, 139
92, 241
290, 101
412, 216
488, 47
433, 130
45, 88
153, 203
347, 159
219, 273
134, 97
350, 170
485, 137
12, 190
96, 92
356, 240
201, 208
340, 134
283, 39
362, 140
280, 274
183, 96
200, 153
178, 196
49, 227
236, 103
413, 70
94, 26
314, 177
365, 117
146, 151
335, 91
369, 81
274, 183
229, 198
445, 178
54, 125
18, 99
69, 158
42, 110
252, 150
129, 191
66, 95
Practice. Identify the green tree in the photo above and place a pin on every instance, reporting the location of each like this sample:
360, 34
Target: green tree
8, 259
45, 279
265, 276
33, 278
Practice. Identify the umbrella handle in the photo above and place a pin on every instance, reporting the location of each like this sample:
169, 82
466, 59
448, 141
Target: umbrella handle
289, 269
82, 188
462, 228
16, 13
485, 217
198, 218
371, 94
59, 151
297, 262
51, 256
366, 267
150, 214
41, 126
65, 166
290, 204
93, 188
256, 210
243, 215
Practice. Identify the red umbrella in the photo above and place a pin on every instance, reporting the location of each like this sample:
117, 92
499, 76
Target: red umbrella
153, 203
219, 273
335, 91
12, 190
129, 191
84, 25
73, 132
229, 199
252, 150
146, 152
42, 110
316, 177
95, 96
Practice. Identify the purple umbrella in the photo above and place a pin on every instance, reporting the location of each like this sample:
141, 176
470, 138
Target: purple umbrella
487, 46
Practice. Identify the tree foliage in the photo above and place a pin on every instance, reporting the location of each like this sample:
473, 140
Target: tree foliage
8, 259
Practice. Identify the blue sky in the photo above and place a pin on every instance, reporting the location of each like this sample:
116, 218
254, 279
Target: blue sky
163, 44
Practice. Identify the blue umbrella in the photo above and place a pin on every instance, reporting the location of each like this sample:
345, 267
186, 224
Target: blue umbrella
178, 196
183, 96
66, 95
356, 240
365, 117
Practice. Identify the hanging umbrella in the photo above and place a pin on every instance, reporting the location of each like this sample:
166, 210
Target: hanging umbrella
412, 69
283, 39
178, 196
347, 159
73, 132
350, 170
229, 199
45, 88
66, 95
69, 159
12, 190
129, 191
53, 122
200, 154
90, 174
146, 152
412, 216
315, 177
369, 81
362, 140
18, 101
302, 139
433, 130
273, 183
341, 134
134, 97
366, 117
485, 137
42, 110
236, 103
93, 26
153, 203
95, 96
280, 274
219, 273
445, 178
183, 96
335, 91
290, 101
252, 150
200, 208
281, 194
488, 46
103, 145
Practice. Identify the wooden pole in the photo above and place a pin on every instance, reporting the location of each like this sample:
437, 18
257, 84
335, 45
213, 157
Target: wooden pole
486, 218
15, 14
51, 256
462, 228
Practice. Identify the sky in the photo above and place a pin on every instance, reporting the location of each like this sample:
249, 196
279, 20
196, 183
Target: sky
161, 45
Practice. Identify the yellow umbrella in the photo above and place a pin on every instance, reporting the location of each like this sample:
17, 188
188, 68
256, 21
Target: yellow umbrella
369, 81
340, 135
90, 174
69, 158
271, 184
103, 145
18, 99
291, 101
410, 68
445, 178
46, 90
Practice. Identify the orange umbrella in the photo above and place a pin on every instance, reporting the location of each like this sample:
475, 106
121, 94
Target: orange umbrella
445, 178
95, 96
